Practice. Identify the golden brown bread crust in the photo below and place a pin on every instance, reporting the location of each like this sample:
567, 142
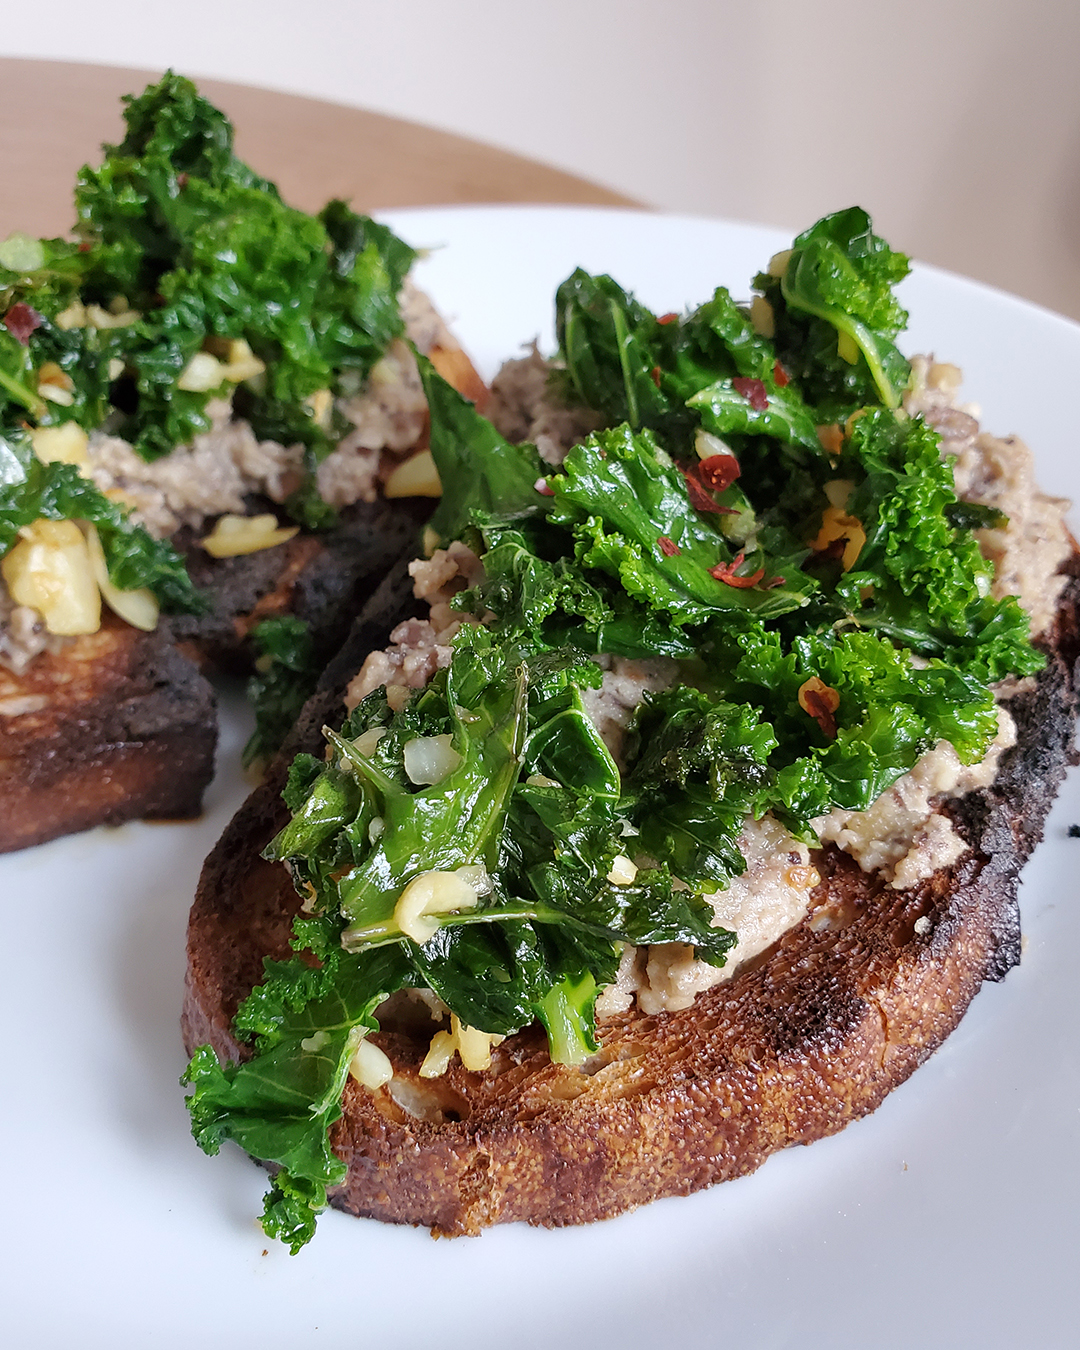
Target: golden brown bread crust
115, 726
819, 1030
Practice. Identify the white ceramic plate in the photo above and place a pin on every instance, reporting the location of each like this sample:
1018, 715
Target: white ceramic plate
949, 1218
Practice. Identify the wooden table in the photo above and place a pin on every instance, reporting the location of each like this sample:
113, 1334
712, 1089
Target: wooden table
54, 116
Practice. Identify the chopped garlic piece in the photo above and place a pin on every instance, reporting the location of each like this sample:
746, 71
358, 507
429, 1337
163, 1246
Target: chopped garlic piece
430, 759
66, 443
49, 569
431, 893
101, 318
778, 263
201, 374
73, 317
762, 318
370, 1066
235, 535
320, 404
368, 740
242, 364
623, 871
706, 445
473, 1046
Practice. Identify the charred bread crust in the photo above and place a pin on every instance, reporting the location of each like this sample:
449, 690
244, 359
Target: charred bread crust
812, 1035
116, 726
325, 580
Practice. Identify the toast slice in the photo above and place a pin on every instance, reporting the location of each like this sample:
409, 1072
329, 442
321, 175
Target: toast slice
809, 1036
116, 725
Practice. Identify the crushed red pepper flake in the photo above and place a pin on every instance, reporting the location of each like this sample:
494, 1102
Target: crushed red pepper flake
780, 375
668, 547
699, 497
21, 320
821, 702
670, 317
718, 472
654, 375
726, 572
752, 390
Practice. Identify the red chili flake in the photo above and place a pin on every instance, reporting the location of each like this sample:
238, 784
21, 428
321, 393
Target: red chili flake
822, 714
718, 472
85, 246
541, 486
780, 375
181, 181
667, 318
833, 550
821, 702
751, 390
654, 375
699, 498
21, 320
725, 572
668, 547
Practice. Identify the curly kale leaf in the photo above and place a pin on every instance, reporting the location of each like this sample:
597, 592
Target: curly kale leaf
632, 517
611, 346
286, 673
836, 316
280, 1105
920, 577
888, 714
176, 226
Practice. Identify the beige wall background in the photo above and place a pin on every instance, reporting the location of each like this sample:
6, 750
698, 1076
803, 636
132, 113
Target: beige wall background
956, 123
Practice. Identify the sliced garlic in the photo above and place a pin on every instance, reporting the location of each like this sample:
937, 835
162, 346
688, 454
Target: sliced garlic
102, 318
138, 608
242, 363
415, 477
472, 1045
73, 317
623, 871
762, 318
320, 404
236, 535
706, 445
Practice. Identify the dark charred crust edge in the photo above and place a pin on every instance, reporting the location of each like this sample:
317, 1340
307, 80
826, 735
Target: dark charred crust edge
141, 747
841, 1011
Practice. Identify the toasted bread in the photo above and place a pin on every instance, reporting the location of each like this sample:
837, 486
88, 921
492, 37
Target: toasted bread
115, 726
810, 1036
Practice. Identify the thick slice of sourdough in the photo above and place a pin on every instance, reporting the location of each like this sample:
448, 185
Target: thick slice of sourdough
116, 725
813, 1034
